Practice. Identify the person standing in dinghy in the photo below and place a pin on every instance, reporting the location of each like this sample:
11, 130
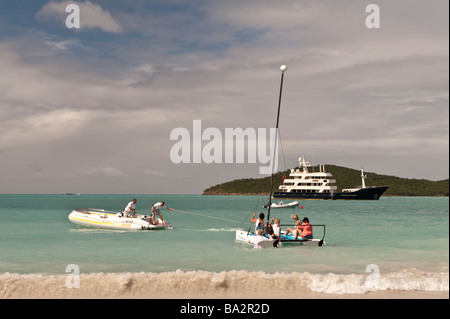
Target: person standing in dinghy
155, 210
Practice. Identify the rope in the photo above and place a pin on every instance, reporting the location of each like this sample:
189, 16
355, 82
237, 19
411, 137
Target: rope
191, 213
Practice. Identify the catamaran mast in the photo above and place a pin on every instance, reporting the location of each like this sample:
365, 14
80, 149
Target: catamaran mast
283, 69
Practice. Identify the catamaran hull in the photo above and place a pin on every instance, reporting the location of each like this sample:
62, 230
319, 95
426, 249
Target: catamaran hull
245, 236
372, 193
102, 219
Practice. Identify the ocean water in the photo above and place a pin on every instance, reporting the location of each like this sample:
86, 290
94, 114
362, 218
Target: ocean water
403, 239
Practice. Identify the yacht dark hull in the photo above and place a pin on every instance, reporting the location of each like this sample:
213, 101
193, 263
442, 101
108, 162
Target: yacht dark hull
370, 193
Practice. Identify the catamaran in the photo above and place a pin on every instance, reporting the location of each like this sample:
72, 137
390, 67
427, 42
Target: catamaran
284, 238
114, 220
266, 242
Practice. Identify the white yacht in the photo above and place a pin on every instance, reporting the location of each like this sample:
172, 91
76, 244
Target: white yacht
303, 184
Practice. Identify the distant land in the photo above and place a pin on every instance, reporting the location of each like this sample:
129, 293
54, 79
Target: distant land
345, 178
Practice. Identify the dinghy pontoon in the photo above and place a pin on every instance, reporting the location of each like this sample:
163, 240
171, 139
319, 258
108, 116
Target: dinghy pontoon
113, 220
282, 205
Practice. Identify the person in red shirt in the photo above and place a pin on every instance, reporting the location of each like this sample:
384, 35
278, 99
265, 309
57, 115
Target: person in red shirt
306, 229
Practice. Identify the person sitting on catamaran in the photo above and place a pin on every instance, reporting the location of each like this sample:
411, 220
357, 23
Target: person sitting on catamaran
276, 229
306, 229
297, 223
155, 210
259, 223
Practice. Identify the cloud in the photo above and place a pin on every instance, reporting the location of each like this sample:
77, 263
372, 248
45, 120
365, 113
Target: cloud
75, 106
154, 173
62, 45
106, 172
41, 127
91, 15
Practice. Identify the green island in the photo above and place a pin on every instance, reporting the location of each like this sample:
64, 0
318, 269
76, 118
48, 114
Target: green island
345, 177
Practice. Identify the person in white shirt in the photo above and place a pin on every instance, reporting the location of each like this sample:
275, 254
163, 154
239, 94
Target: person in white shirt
131, 208
155, 210
276, 228
276, 234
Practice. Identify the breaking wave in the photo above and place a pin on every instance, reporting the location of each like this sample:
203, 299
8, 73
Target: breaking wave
204, 284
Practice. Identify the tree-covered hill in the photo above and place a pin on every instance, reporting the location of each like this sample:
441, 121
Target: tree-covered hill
345, 177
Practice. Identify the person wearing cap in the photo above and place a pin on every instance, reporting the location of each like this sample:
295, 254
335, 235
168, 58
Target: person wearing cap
306, 229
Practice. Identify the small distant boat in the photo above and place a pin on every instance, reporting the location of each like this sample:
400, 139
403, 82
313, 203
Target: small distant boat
282, 205
113, 220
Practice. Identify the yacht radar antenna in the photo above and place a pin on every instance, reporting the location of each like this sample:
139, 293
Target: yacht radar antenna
304, 164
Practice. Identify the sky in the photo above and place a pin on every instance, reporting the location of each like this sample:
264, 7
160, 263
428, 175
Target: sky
92, 109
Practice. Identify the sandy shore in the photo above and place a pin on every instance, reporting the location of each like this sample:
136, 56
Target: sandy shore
80, 294
177, 286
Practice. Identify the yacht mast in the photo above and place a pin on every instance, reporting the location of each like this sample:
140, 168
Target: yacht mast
363, 179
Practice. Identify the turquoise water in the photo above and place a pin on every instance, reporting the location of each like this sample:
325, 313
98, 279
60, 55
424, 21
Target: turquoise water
394, 233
